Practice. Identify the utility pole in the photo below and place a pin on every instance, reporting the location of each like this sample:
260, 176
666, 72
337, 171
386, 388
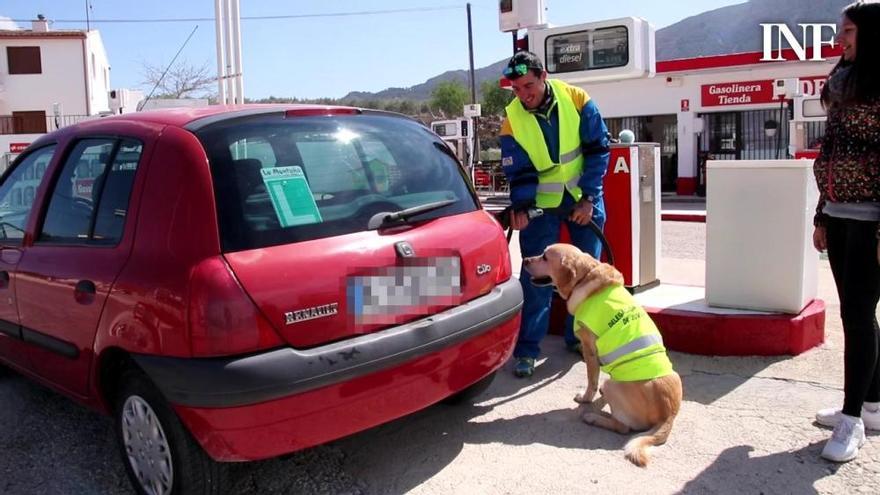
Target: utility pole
471, 51
476, 120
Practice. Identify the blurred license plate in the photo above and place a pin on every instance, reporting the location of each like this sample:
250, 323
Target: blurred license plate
390, 294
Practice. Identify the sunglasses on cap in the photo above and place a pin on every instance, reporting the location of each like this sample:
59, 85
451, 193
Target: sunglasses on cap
518, 69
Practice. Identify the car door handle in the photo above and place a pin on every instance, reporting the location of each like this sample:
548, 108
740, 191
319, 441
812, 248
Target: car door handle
84, 291
85, 287
4, 279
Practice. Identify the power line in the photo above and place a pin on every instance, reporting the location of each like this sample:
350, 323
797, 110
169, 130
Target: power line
259, 17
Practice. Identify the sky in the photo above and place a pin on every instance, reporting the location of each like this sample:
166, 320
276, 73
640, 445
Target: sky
317, 55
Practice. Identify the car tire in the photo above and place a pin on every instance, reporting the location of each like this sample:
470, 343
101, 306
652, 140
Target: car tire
149, 433
470, 393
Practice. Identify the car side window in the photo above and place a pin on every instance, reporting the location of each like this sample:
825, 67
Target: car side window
89, 202
116, 192
17, 194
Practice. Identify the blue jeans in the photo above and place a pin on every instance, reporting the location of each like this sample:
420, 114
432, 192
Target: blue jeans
540, 233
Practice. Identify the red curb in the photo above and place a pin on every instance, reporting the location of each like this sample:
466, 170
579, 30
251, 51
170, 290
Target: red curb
741, 335
712, 334
683, 217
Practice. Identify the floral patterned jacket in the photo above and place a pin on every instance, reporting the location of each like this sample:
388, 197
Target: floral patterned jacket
847, 169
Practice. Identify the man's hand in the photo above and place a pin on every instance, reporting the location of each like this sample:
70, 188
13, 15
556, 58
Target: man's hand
582, 212
519, 220
820, 242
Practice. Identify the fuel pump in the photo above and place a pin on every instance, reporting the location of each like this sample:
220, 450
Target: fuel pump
806, 109
458, 134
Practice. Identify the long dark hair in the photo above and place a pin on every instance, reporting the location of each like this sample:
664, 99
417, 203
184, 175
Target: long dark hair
863, 81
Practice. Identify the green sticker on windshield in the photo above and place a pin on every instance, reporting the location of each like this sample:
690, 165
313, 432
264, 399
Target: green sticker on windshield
291, 196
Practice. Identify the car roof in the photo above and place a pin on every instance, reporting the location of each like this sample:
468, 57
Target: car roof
183, 116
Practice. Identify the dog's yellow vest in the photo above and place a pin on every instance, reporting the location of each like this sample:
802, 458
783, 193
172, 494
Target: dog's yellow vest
629, 345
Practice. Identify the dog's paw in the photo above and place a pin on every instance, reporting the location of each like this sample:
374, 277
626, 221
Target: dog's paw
586, 397
590, 418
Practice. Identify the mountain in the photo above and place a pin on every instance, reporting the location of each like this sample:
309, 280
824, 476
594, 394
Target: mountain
732, 29
736, 28
423, 91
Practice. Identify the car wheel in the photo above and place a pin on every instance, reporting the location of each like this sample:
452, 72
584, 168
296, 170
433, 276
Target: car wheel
160, 455
468, 395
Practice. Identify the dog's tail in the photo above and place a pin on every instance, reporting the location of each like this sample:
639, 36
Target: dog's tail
636, 450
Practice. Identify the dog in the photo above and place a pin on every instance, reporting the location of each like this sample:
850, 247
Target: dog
644, 392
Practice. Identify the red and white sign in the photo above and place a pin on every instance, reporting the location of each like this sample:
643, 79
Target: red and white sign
753, 92
685, 105
82, 188
18, 147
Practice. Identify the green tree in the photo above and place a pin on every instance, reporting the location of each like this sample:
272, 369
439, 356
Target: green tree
494, 98
407, 107
450, 97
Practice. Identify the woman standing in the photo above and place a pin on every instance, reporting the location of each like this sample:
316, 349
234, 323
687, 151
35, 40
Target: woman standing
847, 172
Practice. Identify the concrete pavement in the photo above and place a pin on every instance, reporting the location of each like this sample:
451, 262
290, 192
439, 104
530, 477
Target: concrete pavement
746, 426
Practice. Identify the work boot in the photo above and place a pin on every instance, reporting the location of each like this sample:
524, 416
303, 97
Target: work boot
524, 367
847, 439
870, 416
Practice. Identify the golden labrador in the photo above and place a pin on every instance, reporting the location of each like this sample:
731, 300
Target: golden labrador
636, 403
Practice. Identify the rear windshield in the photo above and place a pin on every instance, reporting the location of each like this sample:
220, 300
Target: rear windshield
279, 180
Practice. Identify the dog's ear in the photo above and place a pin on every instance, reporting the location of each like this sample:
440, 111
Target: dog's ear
570, 274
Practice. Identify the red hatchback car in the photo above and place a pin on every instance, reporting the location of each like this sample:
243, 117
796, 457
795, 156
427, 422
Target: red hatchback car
236, 283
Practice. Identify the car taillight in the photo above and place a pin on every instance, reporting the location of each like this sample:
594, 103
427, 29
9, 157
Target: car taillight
222, 318
505, 270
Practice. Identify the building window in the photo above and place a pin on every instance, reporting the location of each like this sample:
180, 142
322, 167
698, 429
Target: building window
24, 60
744, 135
29, 122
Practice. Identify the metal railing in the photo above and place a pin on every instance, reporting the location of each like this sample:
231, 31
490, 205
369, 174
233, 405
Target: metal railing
10, 124
489, 179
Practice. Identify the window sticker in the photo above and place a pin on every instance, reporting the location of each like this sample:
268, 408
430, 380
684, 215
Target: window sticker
291, 196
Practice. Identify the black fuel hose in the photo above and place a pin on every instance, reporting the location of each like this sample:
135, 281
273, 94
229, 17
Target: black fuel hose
503, 218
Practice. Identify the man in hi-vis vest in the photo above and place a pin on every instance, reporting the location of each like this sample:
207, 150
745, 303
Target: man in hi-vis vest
554, 152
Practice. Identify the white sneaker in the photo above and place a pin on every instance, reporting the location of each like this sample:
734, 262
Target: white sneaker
870, 416
847, 439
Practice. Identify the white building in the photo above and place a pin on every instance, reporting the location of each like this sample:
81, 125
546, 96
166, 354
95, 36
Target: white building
718, 105
48, 79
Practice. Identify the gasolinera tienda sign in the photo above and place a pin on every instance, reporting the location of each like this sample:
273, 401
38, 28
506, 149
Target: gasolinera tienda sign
752, 92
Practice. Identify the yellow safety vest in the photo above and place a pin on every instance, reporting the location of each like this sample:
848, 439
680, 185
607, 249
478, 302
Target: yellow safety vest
629, 345
553, 178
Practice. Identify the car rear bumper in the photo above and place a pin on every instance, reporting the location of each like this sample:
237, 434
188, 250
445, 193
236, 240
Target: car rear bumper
293, 423
238, 381
263, 405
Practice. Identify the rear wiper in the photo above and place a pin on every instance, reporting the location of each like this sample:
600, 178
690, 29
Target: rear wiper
386, 217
